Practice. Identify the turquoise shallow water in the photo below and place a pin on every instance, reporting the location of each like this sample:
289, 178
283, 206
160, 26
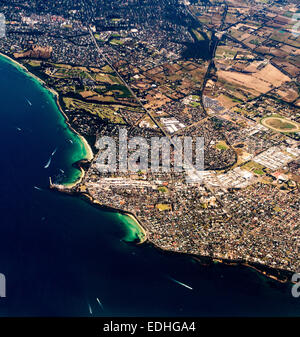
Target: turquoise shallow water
32, 98
59, 253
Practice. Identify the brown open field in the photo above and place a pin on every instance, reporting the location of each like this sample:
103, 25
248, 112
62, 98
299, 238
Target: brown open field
86, 94
226, 101
156, 100
288, 95
260, 81
272, 75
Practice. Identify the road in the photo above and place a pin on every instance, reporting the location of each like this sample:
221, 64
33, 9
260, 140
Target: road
189, 163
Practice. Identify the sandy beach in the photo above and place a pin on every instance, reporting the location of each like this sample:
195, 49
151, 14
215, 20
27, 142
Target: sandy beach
77, 182
64, 188
88, 150
135, 219
19, 65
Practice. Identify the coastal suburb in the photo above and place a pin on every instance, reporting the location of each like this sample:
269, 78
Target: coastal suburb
227, 71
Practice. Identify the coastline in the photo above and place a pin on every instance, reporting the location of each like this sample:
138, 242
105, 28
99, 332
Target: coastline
120, 211
143, 230
67, 187
88, 150
282, 276
70, 188
278, 275
16, 63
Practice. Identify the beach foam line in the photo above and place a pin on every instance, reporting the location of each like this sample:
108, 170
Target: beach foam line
89, 153
142, 229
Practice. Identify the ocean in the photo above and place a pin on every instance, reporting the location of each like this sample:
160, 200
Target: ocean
60, 254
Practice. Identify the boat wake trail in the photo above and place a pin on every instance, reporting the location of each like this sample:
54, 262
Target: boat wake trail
28, 101
90, 309
180, 283
48, 163
53, 153
100, 304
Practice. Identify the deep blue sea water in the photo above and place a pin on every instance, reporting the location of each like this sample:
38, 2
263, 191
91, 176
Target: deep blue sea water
59, 253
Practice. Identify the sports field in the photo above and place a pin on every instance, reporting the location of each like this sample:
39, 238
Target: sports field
280, 124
